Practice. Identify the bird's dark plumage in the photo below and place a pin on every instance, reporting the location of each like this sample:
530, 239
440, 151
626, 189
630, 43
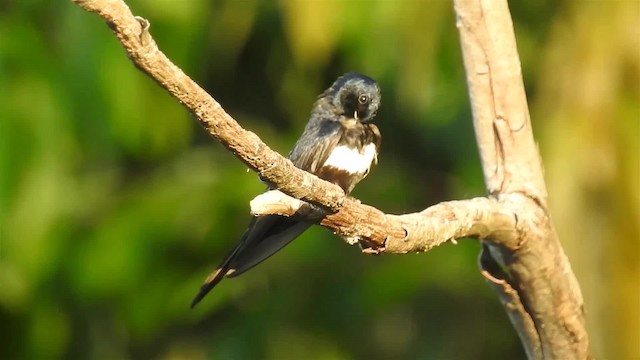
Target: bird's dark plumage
339, 144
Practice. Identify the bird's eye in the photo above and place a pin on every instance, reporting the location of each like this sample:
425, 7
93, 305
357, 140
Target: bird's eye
363, 99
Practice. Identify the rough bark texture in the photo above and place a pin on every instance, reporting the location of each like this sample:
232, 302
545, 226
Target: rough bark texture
522, 258
535, 282
378, 232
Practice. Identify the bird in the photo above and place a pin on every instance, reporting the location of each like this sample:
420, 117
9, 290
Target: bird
339, 144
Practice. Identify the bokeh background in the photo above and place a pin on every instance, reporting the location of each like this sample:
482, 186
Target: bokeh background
115, 204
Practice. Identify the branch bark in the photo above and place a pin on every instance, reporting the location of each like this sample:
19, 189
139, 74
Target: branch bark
523, 260
535, 283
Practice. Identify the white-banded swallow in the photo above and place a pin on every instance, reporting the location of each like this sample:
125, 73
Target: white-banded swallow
339, 144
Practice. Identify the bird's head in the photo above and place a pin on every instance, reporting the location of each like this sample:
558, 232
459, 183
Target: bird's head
355, 96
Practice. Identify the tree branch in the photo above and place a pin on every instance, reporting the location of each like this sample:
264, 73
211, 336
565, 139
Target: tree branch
417, 232
375, 231
133, 33
535, 282
523, 259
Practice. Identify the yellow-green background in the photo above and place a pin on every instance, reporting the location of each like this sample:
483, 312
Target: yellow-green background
115, 204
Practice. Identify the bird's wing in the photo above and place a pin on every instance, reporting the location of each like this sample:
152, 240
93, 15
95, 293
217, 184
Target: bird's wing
268, 234
263, 238
315, 145
280, 231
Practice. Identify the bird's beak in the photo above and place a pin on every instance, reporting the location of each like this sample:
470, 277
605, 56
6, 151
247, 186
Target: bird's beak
355, 114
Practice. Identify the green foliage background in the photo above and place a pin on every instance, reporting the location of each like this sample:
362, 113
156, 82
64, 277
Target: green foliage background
114, 204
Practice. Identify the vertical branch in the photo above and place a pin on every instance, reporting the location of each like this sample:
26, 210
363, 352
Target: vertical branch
510, 158
535, 281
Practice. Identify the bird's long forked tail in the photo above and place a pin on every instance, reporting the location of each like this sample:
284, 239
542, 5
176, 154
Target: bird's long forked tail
265, 237
212, 280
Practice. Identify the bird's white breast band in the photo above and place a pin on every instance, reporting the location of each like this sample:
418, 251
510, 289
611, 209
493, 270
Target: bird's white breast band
351, 160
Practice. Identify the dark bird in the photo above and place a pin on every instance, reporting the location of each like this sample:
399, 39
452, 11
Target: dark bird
339, 144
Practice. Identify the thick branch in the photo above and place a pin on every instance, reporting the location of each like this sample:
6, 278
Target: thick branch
142, 50
510, 158
378, 232
539, 291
